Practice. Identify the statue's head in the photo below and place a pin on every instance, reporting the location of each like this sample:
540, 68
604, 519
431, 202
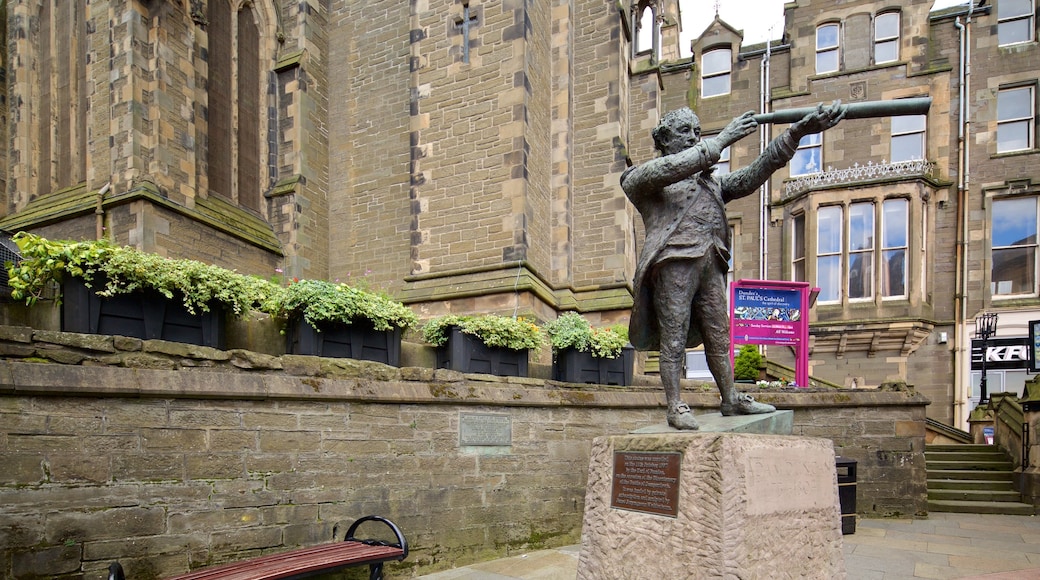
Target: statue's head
678, 130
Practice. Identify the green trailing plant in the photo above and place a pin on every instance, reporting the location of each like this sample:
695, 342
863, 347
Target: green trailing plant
572, 330
491, 329
318, 301
122, 270
747, 363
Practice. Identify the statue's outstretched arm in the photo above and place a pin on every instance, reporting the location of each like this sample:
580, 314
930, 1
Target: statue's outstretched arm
780, 151
653, 176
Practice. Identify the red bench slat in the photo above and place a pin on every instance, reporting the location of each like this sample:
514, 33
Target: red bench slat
287, 564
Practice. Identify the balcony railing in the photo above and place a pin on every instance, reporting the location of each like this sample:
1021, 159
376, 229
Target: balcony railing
858, 173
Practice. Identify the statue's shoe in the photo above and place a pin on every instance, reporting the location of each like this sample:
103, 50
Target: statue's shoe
746, 405
682, 418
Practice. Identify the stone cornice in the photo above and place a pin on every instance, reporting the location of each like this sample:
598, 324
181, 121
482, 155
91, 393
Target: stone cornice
78, 201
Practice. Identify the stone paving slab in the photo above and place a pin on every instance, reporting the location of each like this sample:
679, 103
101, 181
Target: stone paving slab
944, 546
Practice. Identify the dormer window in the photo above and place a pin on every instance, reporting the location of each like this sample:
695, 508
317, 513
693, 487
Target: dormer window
715, 72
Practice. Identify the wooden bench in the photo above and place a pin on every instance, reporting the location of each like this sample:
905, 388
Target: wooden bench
304, 562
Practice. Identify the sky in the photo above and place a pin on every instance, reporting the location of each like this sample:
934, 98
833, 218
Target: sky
760, 20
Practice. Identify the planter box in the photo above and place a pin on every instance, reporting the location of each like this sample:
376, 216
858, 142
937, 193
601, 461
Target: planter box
146, 314
467, 354
575, 366
357, 340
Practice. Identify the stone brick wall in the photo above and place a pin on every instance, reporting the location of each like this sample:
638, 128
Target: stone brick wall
168, 456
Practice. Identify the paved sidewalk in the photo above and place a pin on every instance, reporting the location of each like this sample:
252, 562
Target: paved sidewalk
943, 546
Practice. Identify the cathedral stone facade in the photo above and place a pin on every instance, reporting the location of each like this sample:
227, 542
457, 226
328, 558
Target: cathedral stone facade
464, 154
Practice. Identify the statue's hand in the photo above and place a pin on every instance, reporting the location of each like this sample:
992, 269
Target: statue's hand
821, 119
738, 128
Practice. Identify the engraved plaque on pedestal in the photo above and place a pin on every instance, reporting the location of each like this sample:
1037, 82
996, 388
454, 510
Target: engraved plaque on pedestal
646, 482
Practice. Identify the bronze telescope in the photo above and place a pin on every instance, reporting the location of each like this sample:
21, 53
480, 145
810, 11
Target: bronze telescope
864, 110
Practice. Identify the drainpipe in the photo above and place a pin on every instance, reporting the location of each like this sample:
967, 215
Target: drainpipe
962, 395
99, 211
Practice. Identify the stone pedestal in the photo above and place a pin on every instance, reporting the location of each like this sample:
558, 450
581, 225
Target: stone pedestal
737, 505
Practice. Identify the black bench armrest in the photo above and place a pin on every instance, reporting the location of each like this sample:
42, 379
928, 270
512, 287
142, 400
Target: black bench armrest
401, 542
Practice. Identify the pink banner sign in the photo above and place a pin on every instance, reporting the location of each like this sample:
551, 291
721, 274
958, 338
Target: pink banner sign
770, 312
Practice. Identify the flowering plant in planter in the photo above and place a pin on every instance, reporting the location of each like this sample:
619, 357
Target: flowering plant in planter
492, 330
319, 301
572, 330
125, 270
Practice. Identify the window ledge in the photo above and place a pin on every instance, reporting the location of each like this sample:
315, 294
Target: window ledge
858, 174
1018, 46
1017, 153
1016, 300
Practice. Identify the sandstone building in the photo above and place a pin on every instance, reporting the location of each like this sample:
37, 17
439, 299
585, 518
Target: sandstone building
465, 154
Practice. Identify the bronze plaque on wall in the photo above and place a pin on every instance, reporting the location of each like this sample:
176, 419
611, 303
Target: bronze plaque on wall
646, 481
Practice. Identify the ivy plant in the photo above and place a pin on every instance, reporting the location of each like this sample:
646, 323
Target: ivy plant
318, 301
113, 270
491, 329
122, 270
572, 330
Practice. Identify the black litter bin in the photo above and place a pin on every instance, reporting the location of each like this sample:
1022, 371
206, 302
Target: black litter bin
847, 493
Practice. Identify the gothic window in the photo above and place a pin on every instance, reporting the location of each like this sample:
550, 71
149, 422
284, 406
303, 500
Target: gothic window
808, 158
886, 37
1015, 21
1014, 251
647, 31
233, 155
60, 106
715, 72
908, 138
827, 45
1015, 119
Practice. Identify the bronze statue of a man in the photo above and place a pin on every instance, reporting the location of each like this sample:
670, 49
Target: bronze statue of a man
680, 281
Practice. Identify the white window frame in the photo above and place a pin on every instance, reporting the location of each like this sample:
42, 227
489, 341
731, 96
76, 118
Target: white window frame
889, 246
831, 253
798, 259
714, 70
886, 41
1024, 244
722, 167
828, 50
1008, 119
811, 143
909, 128
1006, 21
863, 251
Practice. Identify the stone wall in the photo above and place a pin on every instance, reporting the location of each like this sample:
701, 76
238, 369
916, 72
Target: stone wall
168, 456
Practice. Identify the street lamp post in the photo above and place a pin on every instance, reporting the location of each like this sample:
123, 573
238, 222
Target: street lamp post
985, 327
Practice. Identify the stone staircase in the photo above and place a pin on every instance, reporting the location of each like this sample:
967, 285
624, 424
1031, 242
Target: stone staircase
974, 479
